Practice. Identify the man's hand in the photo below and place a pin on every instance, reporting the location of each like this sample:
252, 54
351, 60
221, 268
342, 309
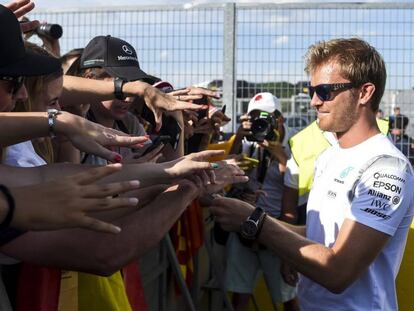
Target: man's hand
203, 126
152, 157
193, 93
276, 150
245, 126
230, 213
93, 138
20, 8
66, 202
192, 163
290, 275
224, 175
218, 118
159, 102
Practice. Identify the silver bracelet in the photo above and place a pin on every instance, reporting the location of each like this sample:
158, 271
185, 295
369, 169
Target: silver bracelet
51, 119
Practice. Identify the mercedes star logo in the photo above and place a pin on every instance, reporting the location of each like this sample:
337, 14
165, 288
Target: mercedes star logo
126, 49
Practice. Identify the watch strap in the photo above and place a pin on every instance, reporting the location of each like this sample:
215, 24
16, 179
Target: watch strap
118, 84
257, 217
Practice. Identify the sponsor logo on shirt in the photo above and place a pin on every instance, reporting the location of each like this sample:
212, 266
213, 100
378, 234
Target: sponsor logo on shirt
380, 204
375, 193
395, 200
345, 172
387, 186
331, 194
343, 175
378, 175
376, 213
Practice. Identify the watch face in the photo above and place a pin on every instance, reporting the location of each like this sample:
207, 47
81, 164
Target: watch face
249, 229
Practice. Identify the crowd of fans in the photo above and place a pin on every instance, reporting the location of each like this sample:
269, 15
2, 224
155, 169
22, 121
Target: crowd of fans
100, 159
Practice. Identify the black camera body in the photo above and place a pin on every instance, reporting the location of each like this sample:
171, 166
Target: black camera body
53, 31
263, 127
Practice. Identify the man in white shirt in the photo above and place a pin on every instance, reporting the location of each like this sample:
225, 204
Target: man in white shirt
360, 207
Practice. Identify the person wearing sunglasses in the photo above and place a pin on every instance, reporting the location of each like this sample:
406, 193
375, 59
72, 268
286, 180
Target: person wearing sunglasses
360, 206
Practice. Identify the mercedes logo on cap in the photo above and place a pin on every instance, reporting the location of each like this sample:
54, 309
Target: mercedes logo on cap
126, 49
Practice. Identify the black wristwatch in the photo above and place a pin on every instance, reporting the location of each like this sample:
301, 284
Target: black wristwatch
118, 84
251, 227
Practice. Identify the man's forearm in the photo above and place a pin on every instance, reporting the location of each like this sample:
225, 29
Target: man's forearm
22, 126
145, 196
311, 259
77, 90
147, 173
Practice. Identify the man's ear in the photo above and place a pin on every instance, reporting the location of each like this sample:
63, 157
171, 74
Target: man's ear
366, 93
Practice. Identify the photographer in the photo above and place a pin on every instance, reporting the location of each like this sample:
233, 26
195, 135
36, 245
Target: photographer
262, 136
48, 33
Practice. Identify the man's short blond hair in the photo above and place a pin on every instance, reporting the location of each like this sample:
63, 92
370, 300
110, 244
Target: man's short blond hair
360, 63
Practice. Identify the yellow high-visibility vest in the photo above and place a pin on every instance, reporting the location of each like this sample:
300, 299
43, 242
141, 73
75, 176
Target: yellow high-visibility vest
307, 145
383, 125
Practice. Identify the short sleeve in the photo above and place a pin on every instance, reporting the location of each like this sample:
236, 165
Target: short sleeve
291, 176
382, 196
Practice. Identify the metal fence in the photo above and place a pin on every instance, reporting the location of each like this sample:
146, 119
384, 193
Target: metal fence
241, 49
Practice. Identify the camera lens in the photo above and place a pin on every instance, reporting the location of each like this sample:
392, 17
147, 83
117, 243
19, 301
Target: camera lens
50, 30
259, 126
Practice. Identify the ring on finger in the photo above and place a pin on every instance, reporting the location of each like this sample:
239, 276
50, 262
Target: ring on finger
178, 97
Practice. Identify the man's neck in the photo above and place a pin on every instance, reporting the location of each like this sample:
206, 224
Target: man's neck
362, 130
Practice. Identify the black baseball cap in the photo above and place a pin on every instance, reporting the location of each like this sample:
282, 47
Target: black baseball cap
14, 59
116, 56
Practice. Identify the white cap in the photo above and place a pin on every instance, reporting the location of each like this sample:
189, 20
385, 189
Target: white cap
264, 102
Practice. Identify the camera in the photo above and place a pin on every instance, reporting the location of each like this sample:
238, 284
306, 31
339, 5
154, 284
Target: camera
263, 127
53, 31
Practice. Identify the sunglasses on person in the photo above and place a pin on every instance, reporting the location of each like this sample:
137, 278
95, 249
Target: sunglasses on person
324, 91
15, 83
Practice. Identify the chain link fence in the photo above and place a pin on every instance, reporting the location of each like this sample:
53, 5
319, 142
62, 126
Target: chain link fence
243, 49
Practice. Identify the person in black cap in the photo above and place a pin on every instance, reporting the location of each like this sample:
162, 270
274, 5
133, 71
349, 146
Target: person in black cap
111, 59
15, 64
117, 57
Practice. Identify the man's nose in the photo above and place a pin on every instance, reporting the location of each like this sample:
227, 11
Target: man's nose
315, 101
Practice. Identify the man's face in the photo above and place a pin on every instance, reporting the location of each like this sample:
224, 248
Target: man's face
340, 112
9, 96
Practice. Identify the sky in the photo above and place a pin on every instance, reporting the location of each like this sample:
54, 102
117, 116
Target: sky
53, 4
